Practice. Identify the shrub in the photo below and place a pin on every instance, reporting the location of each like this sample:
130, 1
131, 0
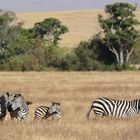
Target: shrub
22, 63
54, 56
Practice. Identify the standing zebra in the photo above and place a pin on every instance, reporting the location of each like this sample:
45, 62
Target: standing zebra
114, 108
18, 107
44, 112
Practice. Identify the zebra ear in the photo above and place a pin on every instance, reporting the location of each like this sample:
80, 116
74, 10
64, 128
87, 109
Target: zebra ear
17, 95
58, 103
7, 94
53, 103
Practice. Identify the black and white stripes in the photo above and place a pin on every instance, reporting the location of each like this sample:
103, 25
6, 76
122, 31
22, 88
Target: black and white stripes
41, 112
114, 108
16, 105
44, 112
3, 106
18, 108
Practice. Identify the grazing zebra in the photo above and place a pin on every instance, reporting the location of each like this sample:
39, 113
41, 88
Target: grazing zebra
44, 112
18, 107
114, 108
54, 111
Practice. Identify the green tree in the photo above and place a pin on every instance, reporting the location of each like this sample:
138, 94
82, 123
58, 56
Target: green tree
119, 30
50, 30
9, 29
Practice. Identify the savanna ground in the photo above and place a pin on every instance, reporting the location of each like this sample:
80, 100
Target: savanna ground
75, 91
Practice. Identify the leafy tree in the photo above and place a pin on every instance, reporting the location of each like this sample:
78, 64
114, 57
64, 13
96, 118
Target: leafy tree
50, 30
119, 30
135, 57
9, 29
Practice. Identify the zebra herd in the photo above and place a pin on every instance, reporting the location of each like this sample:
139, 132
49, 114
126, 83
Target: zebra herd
17, 107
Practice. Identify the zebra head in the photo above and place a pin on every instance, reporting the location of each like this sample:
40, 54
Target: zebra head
13, 101
17, 101
8, 98
55, 110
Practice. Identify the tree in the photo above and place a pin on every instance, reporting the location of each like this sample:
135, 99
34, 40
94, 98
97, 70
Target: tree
9, 29
119, 30
50, 30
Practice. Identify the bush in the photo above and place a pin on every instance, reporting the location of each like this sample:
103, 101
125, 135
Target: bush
54, 56
81, 58
22, 63
135, 57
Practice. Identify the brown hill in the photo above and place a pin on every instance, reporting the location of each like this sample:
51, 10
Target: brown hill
82, 24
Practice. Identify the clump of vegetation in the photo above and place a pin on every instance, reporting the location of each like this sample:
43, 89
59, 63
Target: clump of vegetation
29, 49
49, 30
119, 31
38, 49
113, 50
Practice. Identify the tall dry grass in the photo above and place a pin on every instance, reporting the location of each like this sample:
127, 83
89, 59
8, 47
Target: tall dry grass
82, 24
75, 91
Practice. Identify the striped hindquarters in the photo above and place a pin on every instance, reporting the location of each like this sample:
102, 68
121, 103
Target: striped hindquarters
2, 112
2, 108
20, 113
41, 112
103, 106
115, 108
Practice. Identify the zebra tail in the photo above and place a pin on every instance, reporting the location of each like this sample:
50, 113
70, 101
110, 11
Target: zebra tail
88, 114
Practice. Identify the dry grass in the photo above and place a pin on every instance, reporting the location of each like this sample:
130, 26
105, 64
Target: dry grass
75, 91
82, 24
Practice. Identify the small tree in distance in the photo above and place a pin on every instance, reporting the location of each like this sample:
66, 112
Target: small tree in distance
50, 30
119, 30
9, 30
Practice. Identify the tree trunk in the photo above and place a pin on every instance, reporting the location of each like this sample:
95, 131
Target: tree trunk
128, 53
114, 51
121, 58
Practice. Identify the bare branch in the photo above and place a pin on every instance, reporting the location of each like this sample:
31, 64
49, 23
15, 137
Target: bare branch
128, 53
113, 50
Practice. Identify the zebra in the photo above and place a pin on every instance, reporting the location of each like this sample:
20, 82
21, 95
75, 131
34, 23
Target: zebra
54, 111
44, 112
114, 108
3, 105
18, 107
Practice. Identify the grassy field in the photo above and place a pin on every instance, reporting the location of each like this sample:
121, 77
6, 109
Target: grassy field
82, 24
75, 91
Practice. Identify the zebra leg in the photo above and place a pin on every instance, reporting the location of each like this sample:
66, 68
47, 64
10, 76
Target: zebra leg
2, 119
36, 119
20, 119
99, 115
11, 117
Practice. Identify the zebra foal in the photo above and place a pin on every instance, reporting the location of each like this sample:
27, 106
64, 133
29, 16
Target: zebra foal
44, 112
114, 108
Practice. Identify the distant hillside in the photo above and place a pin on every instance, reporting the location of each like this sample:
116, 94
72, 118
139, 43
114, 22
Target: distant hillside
82, 24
